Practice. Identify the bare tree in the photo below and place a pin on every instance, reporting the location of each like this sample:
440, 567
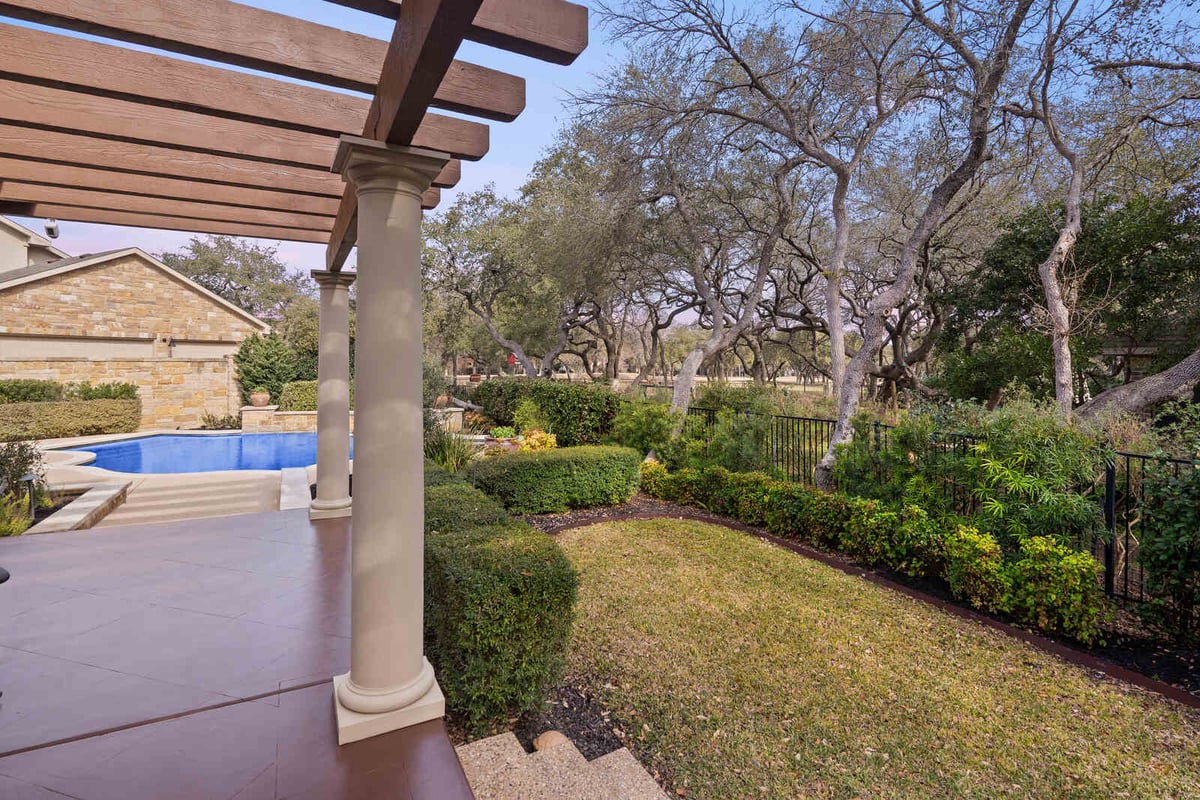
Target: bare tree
976, 45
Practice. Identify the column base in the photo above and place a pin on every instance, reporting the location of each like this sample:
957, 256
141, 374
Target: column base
353, 726
319, 509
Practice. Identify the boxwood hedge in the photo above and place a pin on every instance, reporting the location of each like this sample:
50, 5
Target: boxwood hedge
575, 413
64, 418
499, 603
547, 481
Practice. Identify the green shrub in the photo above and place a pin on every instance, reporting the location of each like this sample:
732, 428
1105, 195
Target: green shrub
18, 459
498, 621
456, 505
755, 399
433, 382
68, 418
557, 480
1169, 551
449, 450
576, 413
219, 422
645, 426
1055, 589
975, 568
101, 391
14, 515
302, 396
26, 390
654, 478
738, 441
265, 362
436, 476
528, 417
504, 432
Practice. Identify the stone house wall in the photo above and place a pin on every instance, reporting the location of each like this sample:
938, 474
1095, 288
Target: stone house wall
175, 392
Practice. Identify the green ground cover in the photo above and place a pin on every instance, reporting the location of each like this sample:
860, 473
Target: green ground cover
741, 670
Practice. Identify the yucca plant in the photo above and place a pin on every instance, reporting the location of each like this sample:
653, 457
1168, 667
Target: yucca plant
448, 450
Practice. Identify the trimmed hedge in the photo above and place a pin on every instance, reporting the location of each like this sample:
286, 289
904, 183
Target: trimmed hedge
27, 390
576, 413
68, 418
547, 481
499, 602
1047, 585
302, 396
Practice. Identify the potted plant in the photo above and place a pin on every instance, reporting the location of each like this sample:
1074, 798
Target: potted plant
259, 397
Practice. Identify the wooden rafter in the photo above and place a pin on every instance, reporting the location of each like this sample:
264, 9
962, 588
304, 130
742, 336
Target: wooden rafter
547, 29
57, 147
161, 222
233, 33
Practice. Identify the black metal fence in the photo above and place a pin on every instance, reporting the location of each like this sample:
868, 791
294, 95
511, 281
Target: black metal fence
796, 444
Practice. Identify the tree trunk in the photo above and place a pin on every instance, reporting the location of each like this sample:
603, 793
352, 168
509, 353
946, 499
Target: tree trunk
1176, 383
1056, 306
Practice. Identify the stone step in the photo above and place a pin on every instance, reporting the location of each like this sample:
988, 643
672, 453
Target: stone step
498, 768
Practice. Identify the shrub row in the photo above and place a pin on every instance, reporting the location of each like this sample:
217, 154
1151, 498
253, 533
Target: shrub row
27, 390
576, 413
1044, 584
68, 418
548, 481
499, 602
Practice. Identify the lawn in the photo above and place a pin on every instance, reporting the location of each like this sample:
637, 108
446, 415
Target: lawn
740, 670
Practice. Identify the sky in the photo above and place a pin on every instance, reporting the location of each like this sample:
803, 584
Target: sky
515, 146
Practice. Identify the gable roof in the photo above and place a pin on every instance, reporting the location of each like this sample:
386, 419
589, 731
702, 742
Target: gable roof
37, 272
31, 238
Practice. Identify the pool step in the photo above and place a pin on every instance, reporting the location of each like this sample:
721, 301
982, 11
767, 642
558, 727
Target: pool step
163, 498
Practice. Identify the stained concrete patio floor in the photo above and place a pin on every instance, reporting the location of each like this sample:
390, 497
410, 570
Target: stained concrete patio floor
191, 660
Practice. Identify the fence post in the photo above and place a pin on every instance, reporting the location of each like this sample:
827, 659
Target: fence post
877, 445
1110, 524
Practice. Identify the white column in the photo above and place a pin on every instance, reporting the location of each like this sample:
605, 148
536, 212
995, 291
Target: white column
333, 397
390, 684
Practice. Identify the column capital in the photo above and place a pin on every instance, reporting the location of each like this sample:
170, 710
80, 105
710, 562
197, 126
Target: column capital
377, 165
327, 279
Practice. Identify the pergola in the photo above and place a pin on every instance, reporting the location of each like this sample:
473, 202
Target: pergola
100, 133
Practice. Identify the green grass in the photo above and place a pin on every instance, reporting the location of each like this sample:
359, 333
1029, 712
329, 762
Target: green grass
740, 670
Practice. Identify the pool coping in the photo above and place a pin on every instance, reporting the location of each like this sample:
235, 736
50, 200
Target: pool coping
97, 500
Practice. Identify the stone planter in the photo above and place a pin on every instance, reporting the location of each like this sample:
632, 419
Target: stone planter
260, 399
475, 378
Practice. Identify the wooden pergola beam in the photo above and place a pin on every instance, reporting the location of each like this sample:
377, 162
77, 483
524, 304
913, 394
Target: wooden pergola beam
142, 204
550, 30
73, 149
129, 219
41, 106
245, 36
103, 180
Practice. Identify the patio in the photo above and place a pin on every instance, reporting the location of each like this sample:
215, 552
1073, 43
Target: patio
192, 660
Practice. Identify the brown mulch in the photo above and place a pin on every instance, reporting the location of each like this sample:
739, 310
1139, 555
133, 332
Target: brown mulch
1138, 658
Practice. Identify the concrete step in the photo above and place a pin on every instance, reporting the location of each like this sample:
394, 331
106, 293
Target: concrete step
163, 498
498, 768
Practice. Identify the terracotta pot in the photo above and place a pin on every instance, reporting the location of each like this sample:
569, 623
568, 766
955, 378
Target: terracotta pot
260, 399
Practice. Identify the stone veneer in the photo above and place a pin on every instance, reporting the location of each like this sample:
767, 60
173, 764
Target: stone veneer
175, 392
126, 297
269, 419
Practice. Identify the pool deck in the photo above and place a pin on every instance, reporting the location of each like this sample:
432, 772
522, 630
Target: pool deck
192, 660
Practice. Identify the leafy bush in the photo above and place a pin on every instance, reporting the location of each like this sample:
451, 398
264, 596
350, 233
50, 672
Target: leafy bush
499, 600
264, 362
504, 432
454, 505
302, 396
754, 399
449, 450
26, 390
535, 440
738, 441
975, 568
14, 515
575, 413
1169, 550
68, 418
219, 422
101, 391
499, 613
558, 480
433, 382
1047, 585
18, 459
1055, 589
528, 417
644, 425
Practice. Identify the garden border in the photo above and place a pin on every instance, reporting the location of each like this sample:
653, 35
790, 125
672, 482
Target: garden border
1069, 654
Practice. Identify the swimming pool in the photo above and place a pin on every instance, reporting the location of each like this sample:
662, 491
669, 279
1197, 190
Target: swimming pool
175, 453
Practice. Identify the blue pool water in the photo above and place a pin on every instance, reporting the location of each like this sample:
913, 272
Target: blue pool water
171, 453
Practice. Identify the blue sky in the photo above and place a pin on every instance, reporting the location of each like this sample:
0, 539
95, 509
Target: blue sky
515, 146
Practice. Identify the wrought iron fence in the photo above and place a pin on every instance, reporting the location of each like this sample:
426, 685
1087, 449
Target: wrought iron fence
796, 444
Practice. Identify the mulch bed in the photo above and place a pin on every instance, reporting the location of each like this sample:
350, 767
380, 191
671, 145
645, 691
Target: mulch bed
1129, 654
574, 712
